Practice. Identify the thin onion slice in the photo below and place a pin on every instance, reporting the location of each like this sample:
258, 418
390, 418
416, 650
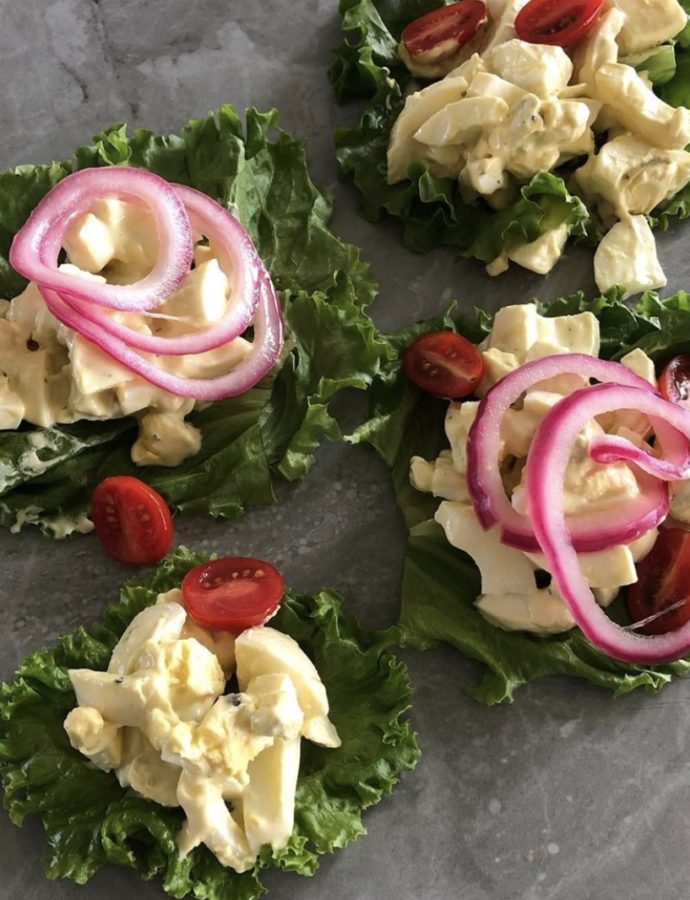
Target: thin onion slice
36, 246
545, 477
238, 259
591, 532
266, 348
610, 448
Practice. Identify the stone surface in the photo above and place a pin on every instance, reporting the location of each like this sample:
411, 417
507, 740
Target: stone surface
566, 794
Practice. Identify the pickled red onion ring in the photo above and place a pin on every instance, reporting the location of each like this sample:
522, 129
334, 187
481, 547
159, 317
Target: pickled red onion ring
610, 448
70, 298
238, 259
266, 348
546, 467
590, 533
36, 246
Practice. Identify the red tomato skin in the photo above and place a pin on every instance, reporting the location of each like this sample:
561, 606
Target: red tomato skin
459, 22
674, 381
233, 593
557, 22
663, 579
444, 364
131, 520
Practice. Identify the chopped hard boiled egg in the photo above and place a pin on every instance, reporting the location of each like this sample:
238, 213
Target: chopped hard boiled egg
210, 822
461, 121
202, 298
542, 254
627, 255
52, 375
159, 623
165, 440
639, 363
538, 68
113, 232
143, 770
268, 809
440, 478
459, 419
636, 107
518, 329
648, 23
161, 720
502, 569
260, 652
512, 596
419, 108
501, 27
598, 47
612, 568
630, 175
89, 733
541, 611
513, 109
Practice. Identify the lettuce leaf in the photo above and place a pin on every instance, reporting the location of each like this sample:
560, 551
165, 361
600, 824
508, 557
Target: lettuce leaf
260, 173
659, 63
366, 66
441, 583
90, 821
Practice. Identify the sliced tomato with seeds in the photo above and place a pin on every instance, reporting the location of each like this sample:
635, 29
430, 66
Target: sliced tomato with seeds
233, 593
663, 584
560, 22
131, 520
445, 30
444, 364
674, 381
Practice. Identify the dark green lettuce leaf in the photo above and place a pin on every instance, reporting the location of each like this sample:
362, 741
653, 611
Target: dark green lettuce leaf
677, 90
441, 583
260, 173
90, 821
366, 65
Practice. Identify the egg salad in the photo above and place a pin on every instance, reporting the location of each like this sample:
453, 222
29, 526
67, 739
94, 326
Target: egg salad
507, 110
514, 594
163, 719
51, 375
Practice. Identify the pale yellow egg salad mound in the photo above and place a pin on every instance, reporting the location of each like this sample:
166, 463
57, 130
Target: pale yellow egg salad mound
162, 719
507, 109
52, 375
168, 737
513, 593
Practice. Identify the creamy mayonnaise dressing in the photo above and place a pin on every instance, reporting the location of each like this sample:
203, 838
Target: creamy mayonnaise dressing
510, 595
507, 110
161, 720
50, 375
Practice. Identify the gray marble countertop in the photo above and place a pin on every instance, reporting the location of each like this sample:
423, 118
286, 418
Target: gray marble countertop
566, 793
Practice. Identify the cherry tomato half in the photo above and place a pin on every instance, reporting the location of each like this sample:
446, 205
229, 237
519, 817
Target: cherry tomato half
132, 521
663, 580
454, 25
233, 593
561, 22
444, 364
674, 382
